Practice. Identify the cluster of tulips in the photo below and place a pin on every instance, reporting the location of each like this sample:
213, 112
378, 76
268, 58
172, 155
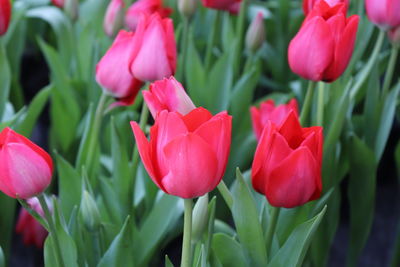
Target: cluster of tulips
188, 150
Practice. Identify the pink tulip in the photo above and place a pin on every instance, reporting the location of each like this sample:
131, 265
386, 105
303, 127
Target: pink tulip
232, 6
25, 168
114, 17
255, 35
323, 47
112, 72
269, 112
33, 233
154, 53
309, 4
186, 155
59, 3
168, 94
384, 13
144, 8
5, 15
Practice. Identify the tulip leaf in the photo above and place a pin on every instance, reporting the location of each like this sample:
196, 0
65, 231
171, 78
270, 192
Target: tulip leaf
361, 194
2, 258
109, 195
248, 227
292, 253
168, 262
288, 220
6, 222
5, 80
228, 251
120, 252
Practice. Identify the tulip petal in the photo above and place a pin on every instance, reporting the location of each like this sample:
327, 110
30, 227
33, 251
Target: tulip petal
291, 130
292, 183
196, 117
192, 167
314, 37
256, 122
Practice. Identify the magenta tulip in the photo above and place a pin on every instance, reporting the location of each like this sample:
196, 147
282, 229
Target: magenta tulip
309, 4
114, 17
144, 8
384, 13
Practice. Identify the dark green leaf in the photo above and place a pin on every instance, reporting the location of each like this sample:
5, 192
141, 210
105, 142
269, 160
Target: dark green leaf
5, 80
228, 251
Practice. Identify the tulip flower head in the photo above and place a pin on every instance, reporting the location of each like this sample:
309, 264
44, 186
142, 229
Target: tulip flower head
269, 112
232, 6
255, 35
187, 154
58, 3
309, 4
33, 233
323, 47
112, 71
144, 8
5, 15
287, 163
25, 168
167, 94
384, 13
114, 18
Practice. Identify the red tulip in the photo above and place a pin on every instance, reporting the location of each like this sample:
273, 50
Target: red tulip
112, 72
322, 48
25, 168
168, 94
5, 15
232, 6
287, 163
144, 8
59, 3
384, 13
154, 53
309, 4
269, 112
114, 17
186, 155
33, 233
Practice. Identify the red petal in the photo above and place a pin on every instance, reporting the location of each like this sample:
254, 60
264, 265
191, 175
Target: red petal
196, 117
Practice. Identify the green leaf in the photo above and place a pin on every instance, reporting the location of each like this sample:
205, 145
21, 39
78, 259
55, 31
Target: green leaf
292, 253
228, 251
2, 258
247, 225
168, 262
361, 194
5, 80
119, 254
8, 205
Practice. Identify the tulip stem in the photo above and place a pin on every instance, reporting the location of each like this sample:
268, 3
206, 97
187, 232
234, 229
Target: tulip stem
368, 67
187, 234
271, 228
226, 194
53, 231
389, 71
211, 41
239, 35
184, 47
320, 107
305, 110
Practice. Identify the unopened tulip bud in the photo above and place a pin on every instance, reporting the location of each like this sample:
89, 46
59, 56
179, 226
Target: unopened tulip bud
89, 212
255, 35
114, 18
394, 36
200, 218
187, 7
5, 15
71, 7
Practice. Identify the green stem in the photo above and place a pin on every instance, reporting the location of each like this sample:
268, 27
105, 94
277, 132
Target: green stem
33, 213
226, 194
239, 36
249, 62
185, 46
368, 67
271, 228
213, 37
187, 234
320, 107
53, 232
305, 110
389, 71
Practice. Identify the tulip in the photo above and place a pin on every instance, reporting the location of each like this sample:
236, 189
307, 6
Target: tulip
5, 15
25, 168
322, 48
309, 4
269, 112
154, 54
112, 71
144, 8
58, 3
187, 154
255, 35
33, 233
287, 163
394, 36
168, 94
232, 6
187, 7
114, 17
384, 13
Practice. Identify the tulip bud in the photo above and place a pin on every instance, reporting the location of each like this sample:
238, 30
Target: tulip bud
25, 168
144, 8
71, 7
5, 15
255, 35
200, 218
187, 7
394, 36
114, 18
89, 212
